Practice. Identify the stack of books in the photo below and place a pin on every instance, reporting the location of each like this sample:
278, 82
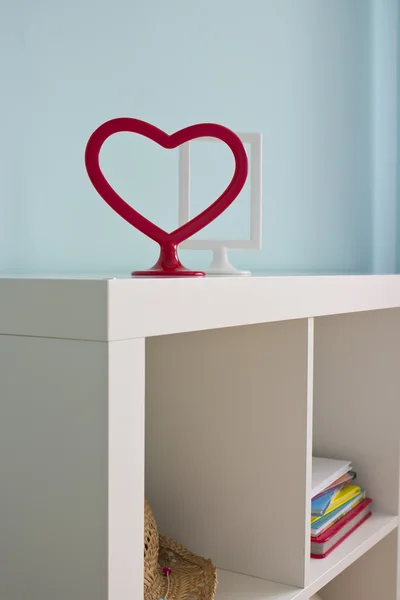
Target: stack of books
338, 507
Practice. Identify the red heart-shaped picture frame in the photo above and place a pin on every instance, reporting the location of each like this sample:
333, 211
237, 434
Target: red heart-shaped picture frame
168, 262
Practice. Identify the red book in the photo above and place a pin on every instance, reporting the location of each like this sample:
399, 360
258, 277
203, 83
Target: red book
325, 543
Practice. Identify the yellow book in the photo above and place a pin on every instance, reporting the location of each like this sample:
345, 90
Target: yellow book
348, 492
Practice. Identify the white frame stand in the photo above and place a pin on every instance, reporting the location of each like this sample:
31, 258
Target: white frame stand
221, 264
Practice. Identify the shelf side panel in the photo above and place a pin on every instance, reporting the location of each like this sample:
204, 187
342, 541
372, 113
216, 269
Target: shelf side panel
226, 445
54, 308
53, 469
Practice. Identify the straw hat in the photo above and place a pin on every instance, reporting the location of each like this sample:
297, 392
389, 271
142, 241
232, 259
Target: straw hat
170, 571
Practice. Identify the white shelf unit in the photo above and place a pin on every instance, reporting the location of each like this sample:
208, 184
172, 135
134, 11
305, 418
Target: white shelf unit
240, 381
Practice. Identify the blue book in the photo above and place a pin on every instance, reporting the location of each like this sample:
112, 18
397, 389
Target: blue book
323, 523
321, 504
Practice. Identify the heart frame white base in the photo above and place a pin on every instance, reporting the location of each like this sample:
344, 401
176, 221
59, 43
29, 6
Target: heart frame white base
221, 264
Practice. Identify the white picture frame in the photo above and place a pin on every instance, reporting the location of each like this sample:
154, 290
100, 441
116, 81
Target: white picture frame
220, 264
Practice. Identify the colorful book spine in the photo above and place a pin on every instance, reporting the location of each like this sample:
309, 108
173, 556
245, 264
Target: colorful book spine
325, 543
328, 520
348, 492
320, 505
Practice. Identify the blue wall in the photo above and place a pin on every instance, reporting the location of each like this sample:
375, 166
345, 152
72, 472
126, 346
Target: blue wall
384, 119
11, 150
398, 146
302, 73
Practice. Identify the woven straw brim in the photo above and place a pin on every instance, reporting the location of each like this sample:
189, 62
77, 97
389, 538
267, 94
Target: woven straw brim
191, 578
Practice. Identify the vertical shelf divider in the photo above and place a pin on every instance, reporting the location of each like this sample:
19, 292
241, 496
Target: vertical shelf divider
126, 399
228, 445
357, 417
309, 447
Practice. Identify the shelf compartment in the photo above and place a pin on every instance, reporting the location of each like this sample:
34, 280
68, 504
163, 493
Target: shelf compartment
241, 587
376, 528
356, 417
227, 415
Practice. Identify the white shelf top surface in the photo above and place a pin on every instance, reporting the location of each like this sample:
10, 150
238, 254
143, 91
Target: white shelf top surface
233, 586
125, 276
102, 308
